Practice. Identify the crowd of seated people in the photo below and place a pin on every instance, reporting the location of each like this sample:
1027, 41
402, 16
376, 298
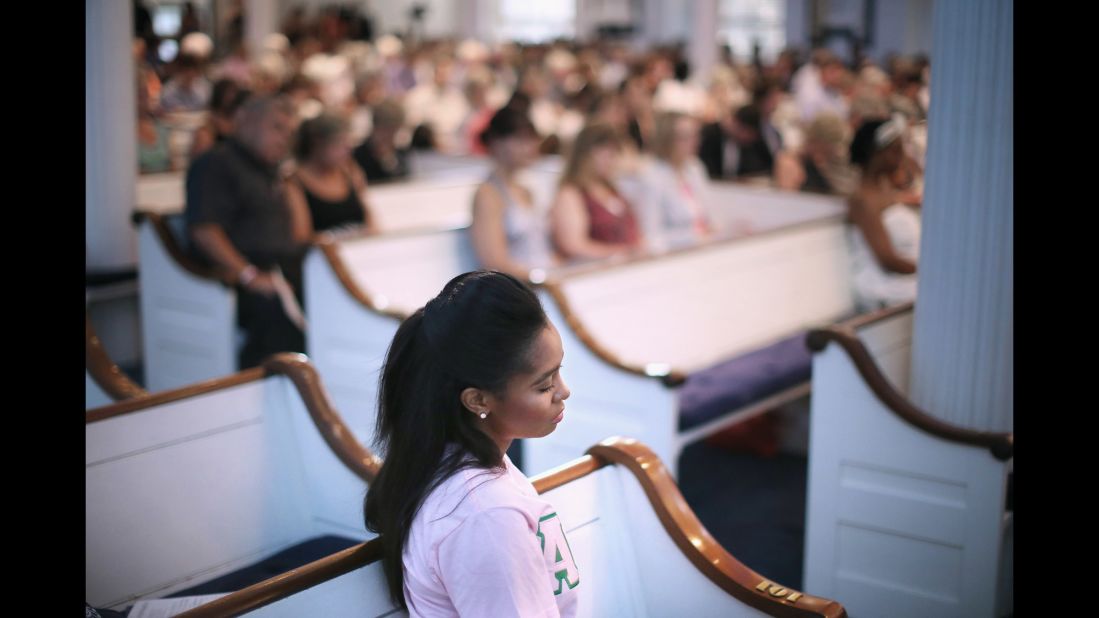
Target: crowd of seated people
640, 136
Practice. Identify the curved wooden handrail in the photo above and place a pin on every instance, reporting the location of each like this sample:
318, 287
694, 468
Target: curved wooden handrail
866, 319
674, 513
669, 376
698, 545
171, 245
329, 246
144, 402
103, 370
289, 583
1001, 445
333, 429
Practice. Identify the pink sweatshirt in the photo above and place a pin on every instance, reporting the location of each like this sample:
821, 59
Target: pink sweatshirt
485, 544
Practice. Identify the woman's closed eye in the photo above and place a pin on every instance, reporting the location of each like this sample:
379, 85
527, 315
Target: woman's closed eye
552, 378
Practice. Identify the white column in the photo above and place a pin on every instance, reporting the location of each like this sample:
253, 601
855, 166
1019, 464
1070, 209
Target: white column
110, 135
261, 18
702, 41
962, 359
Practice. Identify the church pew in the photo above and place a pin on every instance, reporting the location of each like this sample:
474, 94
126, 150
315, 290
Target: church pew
640, 551
358, 289
104, 381
160, 193
165, 194
188, 315
192, 485
743, 207
674, 348
456, 167
422, 204
905, 512
444, 202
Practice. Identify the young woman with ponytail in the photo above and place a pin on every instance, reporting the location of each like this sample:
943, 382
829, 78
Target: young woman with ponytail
464, 532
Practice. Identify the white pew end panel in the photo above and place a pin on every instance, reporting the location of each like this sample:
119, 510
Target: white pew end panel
188, 316
905, 512
357, 292
193, 484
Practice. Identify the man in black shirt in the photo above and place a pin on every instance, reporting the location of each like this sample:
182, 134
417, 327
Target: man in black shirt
238, 219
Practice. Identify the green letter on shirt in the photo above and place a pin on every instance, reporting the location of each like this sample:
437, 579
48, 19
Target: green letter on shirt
558, 552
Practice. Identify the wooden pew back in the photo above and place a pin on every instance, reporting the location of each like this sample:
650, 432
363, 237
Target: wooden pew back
692, 308
186, 485
639, 549
905, 513
161, 193
188, 318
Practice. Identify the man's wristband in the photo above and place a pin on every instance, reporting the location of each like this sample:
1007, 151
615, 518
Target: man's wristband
247, 274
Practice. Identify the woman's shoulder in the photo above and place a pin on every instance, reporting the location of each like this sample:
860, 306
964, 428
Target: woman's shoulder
473, 490
569, 191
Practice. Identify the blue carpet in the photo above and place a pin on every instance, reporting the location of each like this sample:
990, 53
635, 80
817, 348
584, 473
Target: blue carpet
753, 506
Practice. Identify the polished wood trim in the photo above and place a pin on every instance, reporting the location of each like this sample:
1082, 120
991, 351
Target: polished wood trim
150, 400
1001, 445
566, 473
866, 319
297, 368
335, 432
103, 370
328, 421
698, 545
292, 582
330, 247
670, 377
171, 245
674, 513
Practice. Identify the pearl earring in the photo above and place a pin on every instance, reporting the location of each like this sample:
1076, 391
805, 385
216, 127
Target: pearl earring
484, 415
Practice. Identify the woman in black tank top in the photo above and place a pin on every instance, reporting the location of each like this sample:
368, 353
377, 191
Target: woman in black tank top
326, 191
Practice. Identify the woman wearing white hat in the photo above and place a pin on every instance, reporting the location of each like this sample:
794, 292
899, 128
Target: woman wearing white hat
885, 231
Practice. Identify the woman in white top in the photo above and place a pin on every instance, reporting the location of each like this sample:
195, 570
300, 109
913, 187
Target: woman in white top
885, 231
464, 533
675, 209
510, 228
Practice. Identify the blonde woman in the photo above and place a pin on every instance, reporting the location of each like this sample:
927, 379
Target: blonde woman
675, 209
590, 218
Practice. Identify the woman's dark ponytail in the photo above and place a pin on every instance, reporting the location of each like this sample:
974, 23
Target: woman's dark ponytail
476, 333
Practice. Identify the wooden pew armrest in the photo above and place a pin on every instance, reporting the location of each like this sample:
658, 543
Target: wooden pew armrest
297, 368
335, 432
173, 248
698, 545
292, 582
667, 375
103, 370
1001, 445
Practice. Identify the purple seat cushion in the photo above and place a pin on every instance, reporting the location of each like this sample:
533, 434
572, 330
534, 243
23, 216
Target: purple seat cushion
739, 381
